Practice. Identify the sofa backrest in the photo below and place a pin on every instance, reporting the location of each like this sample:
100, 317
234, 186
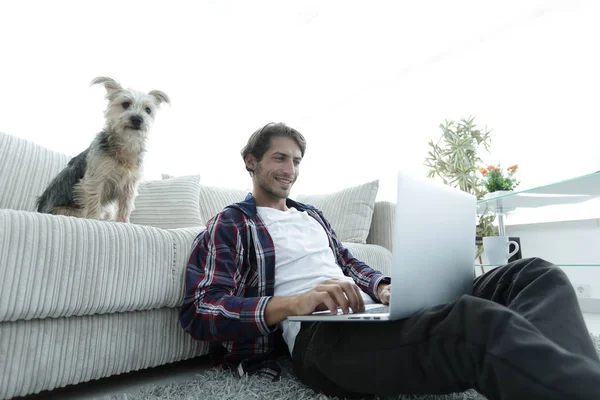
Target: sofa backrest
382, 226
25, 170
379, 227
213, 199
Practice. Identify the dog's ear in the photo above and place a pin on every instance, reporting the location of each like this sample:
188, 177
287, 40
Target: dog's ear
110, 84
161, 97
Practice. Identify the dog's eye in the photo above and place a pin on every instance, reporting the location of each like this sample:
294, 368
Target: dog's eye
126, 104
148, 110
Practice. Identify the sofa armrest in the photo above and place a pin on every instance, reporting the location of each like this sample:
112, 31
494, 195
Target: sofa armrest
382, 225
56, 266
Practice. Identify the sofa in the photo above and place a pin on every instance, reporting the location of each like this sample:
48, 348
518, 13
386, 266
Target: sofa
86, 299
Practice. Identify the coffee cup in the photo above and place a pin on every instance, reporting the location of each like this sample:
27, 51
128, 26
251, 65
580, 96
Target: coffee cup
497, 249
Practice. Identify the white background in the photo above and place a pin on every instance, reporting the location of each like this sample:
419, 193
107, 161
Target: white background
366, 82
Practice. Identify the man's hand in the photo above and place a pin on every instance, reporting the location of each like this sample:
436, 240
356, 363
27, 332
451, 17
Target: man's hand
384, 291
329, 295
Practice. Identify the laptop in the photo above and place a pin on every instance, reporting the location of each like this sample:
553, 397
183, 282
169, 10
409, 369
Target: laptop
433, 254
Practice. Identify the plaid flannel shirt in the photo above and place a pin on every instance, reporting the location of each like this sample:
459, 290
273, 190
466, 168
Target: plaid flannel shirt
230, 277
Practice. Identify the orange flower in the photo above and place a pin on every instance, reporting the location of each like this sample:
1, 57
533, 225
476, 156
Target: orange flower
483, 171
492, 168
512, 168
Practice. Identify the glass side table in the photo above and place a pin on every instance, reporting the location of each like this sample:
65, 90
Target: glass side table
575, 192
570, 236
569, 191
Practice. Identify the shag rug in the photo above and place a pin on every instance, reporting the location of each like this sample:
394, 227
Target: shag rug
218, 384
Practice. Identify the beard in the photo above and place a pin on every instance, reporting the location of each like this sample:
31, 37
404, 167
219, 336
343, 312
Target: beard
270, 185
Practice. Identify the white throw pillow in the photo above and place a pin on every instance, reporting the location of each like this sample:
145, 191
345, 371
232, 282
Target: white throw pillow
214, 199
349, 211
168, 203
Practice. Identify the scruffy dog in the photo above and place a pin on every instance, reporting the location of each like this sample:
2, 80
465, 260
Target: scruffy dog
102, 181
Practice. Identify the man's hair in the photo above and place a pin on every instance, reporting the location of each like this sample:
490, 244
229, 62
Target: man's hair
260, 141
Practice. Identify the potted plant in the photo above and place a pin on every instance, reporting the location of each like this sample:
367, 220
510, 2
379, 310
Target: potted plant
497, 181
455, 159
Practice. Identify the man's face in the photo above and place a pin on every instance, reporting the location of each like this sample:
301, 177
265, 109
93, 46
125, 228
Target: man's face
278, 170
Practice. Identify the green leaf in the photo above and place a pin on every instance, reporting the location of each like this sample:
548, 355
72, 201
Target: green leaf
456, 157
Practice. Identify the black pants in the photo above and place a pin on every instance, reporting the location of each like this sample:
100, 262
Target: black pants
521, 335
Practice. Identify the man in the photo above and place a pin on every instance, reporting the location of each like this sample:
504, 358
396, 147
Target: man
521, 335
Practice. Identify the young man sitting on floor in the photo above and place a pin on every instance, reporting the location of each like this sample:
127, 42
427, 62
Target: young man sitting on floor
521, 335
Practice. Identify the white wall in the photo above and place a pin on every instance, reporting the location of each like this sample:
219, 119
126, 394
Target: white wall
531, 80
367, 82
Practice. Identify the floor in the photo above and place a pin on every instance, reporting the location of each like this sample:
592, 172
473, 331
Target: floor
176, 372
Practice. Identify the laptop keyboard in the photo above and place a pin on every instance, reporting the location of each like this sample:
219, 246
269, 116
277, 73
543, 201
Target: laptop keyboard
376, 310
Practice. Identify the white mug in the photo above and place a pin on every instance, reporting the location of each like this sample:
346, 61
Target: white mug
496, 249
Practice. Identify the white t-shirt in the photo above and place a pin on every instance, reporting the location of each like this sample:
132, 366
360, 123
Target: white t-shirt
303, 258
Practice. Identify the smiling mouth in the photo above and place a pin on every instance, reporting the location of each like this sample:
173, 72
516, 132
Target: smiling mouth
284, 181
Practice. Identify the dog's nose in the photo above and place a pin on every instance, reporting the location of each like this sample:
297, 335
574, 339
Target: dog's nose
136, 121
